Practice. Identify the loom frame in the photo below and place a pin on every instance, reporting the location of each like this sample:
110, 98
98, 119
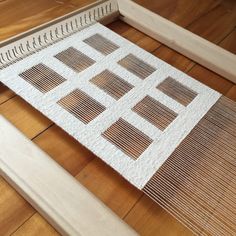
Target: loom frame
194, 47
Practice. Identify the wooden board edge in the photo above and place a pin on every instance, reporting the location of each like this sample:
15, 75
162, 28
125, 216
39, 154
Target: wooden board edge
183, 41
54, 193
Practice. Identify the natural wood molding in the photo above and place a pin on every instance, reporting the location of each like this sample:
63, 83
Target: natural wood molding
65, 203
183, 41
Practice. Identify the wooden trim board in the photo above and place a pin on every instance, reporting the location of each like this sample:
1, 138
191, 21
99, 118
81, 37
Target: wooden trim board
183, 41
65, 203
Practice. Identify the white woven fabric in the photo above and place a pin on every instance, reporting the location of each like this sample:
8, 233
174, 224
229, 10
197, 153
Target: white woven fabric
139, 171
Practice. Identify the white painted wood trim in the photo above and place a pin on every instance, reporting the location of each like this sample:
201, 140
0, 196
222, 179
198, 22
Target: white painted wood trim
65, 203
183, 41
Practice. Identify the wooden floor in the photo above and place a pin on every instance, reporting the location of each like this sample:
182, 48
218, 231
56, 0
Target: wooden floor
214, 20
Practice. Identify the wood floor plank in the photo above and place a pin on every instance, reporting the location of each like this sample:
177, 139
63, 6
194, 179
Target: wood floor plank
210, 79
36, 226
26, 118
33, 13
5, 93
135, 36
181, 12
64, 149
217, 23
174, 58
149, 219
232, 93
14, 210
229, 43
24, 10
109, 186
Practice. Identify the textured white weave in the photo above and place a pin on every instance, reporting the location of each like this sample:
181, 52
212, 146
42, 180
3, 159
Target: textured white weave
139, 171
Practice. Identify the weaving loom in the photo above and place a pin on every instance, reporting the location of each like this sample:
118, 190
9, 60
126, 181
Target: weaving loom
166, 133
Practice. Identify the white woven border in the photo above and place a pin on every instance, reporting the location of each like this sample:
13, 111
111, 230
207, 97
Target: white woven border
139, 171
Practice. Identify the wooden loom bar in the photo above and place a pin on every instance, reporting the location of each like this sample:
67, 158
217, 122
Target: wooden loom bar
65, 203
183, 41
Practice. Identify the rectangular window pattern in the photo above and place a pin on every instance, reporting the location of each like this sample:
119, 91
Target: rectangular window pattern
154, 112
112, 84
75, 59
127, 138
136, 66
101, 44
82, 106
42, 78
177, 91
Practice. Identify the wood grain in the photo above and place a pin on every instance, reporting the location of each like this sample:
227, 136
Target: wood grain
175, 59
5, 94
229, 42
210, 79
181, 12
64, 149
134, 36
143, 214
221, 18
109, 187
33, 13
36, 225
232, 93
25, 117
14, 210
